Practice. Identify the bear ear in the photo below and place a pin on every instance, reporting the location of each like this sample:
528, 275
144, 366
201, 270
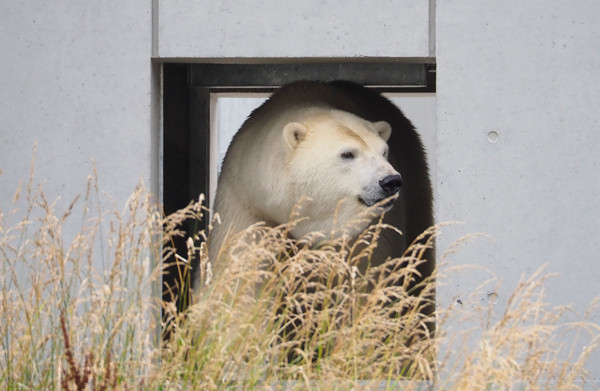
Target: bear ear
293, 134
384, 130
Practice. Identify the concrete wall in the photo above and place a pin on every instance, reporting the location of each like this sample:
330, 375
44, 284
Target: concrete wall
307, 28
528, 71
77, 79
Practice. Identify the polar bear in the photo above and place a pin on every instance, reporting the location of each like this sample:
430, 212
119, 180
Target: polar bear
327, 142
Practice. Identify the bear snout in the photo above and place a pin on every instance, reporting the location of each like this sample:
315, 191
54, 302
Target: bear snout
391, 184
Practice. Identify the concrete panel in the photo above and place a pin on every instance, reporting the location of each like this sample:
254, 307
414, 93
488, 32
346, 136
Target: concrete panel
306, 28
518, 144
76, 79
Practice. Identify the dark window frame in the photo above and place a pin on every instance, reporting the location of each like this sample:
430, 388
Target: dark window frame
187, 90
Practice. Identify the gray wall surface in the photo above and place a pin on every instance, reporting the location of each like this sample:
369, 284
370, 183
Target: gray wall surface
76, 80
308, 28
517, 144
528, 71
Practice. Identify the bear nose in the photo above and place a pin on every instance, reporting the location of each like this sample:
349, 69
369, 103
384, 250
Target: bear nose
391, 184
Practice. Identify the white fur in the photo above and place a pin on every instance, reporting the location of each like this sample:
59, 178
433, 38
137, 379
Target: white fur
277, 160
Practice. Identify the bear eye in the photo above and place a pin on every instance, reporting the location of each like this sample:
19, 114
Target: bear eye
347, 155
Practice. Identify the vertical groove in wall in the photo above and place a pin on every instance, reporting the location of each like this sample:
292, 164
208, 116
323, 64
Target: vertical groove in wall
432, 28
154, 28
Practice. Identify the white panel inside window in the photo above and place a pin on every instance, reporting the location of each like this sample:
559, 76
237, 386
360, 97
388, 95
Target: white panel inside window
230, 110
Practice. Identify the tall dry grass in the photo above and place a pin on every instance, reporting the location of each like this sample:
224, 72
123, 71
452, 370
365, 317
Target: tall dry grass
82, 311
83, 308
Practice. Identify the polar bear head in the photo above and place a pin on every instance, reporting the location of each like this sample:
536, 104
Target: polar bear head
339, 161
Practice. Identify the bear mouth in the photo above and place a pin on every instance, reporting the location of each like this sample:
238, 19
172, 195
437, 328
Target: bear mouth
381, 203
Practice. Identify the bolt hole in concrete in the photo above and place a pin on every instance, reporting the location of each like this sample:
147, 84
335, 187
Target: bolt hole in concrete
492, 297
493, 136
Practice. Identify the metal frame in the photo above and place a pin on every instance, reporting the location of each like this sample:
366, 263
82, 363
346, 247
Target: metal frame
187, 90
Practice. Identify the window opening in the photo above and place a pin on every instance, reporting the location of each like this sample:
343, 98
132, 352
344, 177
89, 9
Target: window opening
194, 100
